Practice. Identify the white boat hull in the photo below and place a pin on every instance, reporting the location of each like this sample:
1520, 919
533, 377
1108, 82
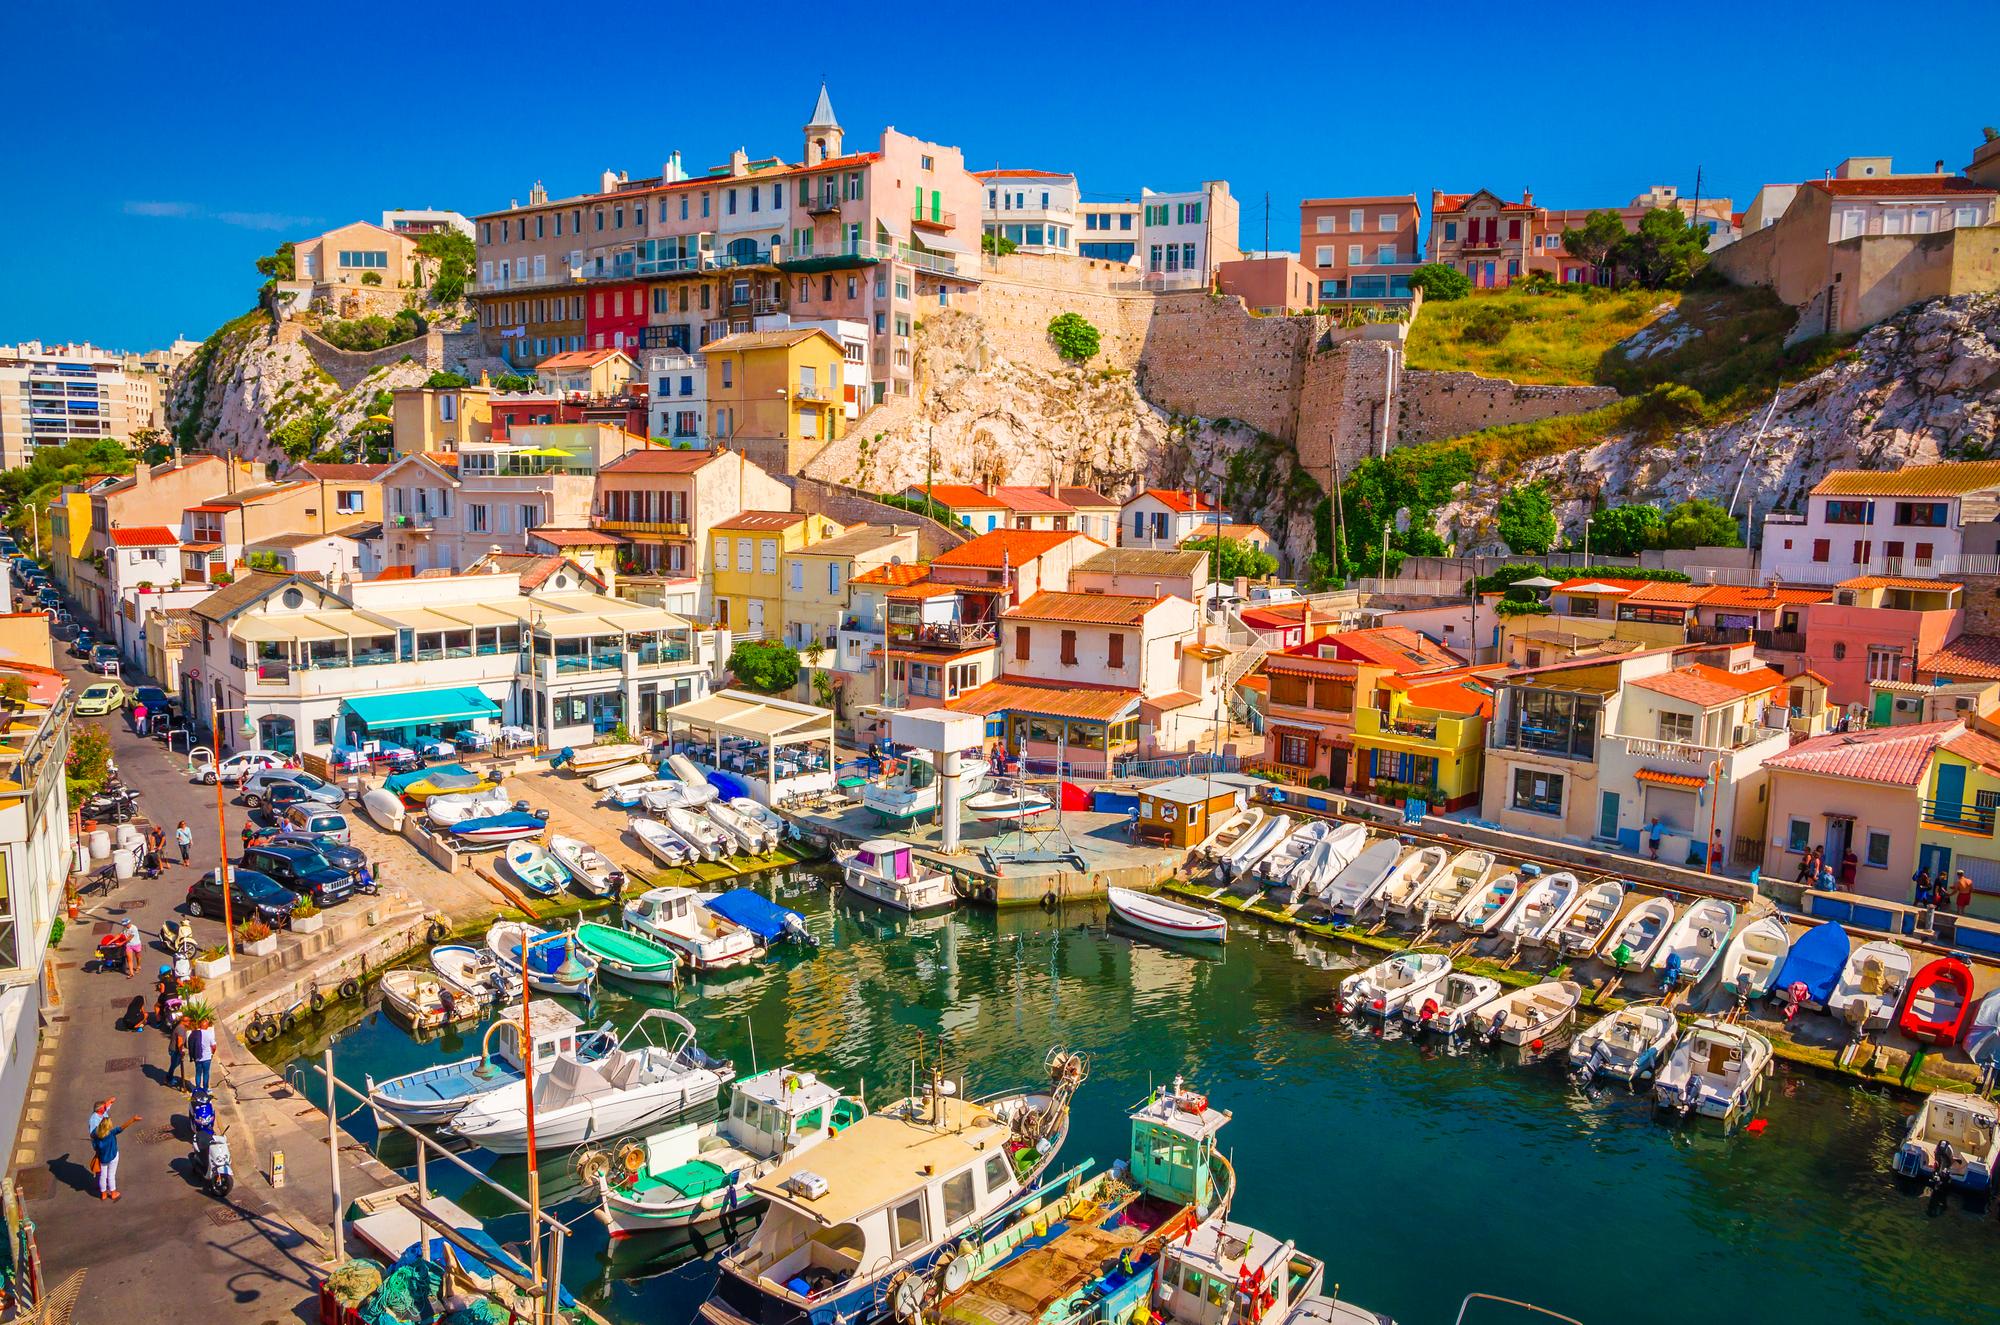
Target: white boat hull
919, 895
1157, 915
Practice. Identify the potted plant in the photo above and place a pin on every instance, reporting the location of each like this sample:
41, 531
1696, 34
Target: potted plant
196, 1012
212, 963
193, 985
256, 939
306, 917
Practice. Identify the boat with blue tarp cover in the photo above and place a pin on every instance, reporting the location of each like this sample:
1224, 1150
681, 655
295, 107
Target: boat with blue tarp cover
1814, 963
767, 919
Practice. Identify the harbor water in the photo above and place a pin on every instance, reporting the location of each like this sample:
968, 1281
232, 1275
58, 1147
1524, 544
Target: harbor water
1419, 1172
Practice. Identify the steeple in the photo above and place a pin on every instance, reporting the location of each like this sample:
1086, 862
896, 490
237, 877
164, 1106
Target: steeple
822, 131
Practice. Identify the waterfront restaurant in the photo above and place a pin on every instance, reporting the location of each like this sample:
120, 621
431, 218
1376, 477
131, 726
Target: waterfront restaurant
775, 747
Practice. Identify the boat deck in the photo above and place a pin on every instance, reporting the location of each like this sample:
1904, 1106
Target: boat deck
883, 1156
1086, 1247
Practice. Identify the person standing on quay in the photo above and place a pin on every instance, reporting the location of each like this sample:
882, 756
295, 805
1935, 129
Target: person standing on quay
104, 1146
201, 1049
184, 839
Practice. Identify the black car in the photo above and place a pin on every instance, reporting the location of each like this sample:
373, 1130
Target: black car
303, 871
154, 698
81, 646
250, 893
282, 796
349, 859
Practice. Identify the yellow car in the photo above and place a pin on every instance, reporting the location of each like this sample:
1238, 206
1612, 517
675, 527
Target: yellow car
104, 697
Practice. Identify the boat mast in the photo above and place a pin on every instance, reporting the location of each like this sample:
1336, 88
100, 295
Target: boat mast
528, 1080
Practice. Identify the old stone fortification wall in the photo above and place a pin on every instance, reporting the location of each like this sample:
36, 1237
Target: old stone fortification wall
1207, 355
1345, 401
1021, 293
1431, 406
852, 506
348, 367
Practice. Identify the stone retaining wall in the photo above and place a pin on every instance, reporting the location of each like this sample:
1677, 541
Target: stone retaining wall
1431, 406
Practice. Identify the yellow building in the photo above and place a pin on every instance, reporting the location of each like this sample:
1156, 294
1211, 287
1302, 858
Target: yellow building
67, 537
1433, 734
776, 385
747, 568
1957, 807
440, 418
817, 577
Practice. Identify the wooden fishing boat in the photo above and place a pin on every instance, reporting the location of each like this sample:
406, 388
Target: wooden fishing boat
1749, 965
754, 838
627, 955
1694, 941
531, 864
1169, 919
1446, 893
1412, 877
1454, 1005
590, 870
595, 758
700, 833
424, 1001
475, 974
1626, 1045
1714, 1071
1487, 905
1584, 928
1543, 905
1939, 1002
887, 871
1232, 830
553, 964
1871, 985
1639, 934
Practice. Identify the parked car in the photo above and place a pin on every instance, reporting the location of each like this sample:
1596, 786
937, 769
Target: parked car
257, 786
303, 871
339, 856
84, 642
104, 658
155, 699
236, 767
101, 698
318, 821
250, 893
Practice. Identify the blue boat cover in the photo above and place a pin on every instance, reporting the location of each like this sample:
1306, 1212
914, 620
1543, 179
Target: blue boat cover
397, 781
1815, 961
510, 819
547, 958
491, 1254
727, 788
758, 914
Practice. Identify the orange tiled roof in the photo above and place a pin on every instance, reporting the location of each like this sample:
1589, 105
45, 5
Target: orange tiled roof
1947, 480
144, 536
1709, 686
962, 496
1666, 779
1762, 595
1020, 174
1050, 699
579, 359
659, 460
1013, 546
1894, 756
895, 573
1107, 609
761, 520
1976, 656
1894, 186
923, 589
1977, 746
1671, 595
1455, 202
1897, 582
1462, 695
1178, 499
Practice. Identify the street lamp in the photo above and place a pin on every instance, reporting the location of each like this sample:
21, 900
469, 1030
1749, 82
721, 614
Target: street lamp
1586, 542
1386, 526
249, 730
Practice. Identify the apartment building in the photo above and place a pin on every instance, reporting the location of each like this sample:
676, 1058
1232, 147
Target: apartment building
1111, 231
139, 500
1186, 236
51, 395
866, 237
354, 268
1146, 572
595, 373
1488, 238
1034, 210
819, 579
746, 572
666, 504
985, 507
348, 494
677, 386
1318, 688
1916, 521
1879, 628
1958, 803
1425, 739
1360, 248
783, 386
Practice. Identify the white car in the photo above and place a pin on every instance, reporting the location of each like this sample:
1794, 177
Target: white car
236, 767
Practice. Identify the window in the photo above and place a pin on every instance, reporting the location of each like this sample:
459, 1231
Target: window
1385, 222
1323, 256
373, 258
1884, 664
1798, 836
722, 554
1847, 512
1295, 751
927, 162
475, 517
1538, 792
1069, 648
1021, 644
1924, 551
1385, 254
1839, 650
1354, 255
1878, 849
1921, 514
1117, 654
1677, 727
1451, 230
1822, 549
1357, 219
1863, 550
1323, 225
998, 1176
767, 556
798, 576
833, 577
728, 376
350, 501
958, 1197
908, 1223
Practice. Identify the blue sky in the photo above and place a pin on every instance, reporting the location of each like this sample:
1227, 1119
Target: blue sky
176, 145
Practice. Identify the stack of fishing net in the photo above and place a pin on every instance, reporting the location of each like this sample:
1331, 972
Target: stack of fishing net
411, 1294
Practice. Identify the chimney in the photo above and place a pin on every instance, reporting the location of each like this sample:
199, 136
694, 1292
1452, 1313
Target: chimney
537, 194
1938, 169
1527, 198
1243, 586
607, 181
1055, 488
991, 488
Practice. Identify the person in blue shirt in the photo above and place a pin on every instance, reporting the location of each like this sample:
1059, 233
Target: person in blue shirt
104, 1145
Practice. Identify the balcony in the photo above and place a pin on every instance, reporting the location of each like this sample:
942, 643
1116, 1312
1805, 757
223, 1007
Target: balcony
1958, 817
804, 392
1698, 634
1779, 641
664, 528
826, 204
936, 220
943, 634
1697, 756
422, 522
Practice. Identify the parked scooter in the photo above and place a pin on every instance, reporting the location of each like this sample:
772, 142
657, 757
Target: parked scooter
211, 1165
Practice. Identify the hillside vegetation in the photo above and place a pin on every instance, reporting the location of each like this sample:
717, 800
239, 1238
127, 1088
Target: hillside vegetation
1547, 339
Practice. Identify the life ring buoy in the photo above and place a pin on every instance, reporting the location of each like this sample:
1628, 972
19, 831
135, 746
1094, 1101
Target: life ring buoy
350, 987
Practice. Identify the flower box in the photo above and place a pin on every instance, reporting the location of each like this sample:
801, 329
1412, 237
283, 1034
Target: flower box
211, 970
263, 947
311, 924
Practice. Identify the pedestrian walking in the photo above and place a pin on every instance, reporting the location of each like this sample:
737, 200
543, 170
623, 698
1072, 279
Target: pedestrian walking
177, 1043
184, 839
1654, 832
139, 719
104, 1156
200, 1050
134, 949
1808, 868
1715, 849
1922, 879
1964, 891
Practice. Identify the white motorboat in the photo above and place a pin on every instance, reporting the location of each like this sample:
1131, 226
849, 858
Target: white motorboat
1232, 830
553, 964
700, 832
425, 1001
590, 870
1344, 890
1448, 891
1714, 1070
665, 794
529, 862
1589, 918
910, 790
1386, 988
1871, 985
1953, 1138
1626, 1045
1454, 1005
704, 940
1750, 963
433, 1094
1639, 934
887, 871
1535, 1013
1167, 918
759, 813
1258, 843
750, 834
1694, 941
1001, 806
386, 808
475, 974
1981, 1036
617, 775
632, 795
661, 842
687, 770
458, 806
1283, 859
1543, 906
639, 1084
1487, 905
1413, 875
597, 758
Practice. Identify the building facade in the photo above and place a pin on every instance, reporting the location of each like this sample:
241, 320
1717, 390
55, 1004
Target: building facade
1912, 521
1034, 210
1360, 248
52, 395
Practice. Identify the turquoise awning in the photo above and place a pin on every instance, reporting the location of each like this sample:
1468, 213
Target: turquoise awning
454, 705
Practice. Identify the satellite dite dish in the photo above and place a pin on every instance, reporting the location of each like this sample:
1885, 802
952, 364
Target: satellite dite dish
947, 1088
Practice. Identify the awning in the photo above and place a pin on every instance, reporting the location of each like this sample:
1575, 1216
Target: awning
1661, 778
454, 705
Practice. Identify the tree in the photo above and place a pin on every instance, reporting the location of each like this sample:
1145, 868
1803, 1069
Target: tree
998, 245
1527, 520
371, 278
1667, 249
443, 381
767, 666
513, 382
1439, 281
1075, 339
281, 265
1626, 531
264, 561
1232, 557
151, 446
298, 438
87, 769
1597, 240
453, 253
1701, 523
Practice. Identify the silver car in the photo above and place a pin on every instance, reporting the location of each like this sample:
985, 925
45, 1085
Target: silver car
257, 785
318, 821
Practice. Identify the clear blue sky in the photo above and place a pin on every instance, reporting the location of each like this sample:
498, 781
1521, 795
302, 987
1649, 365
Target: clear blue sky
173, 145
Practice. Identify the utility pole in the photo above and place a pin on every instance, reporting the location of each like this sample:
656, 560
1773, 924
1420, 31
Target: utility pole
1267, 223
1333, 450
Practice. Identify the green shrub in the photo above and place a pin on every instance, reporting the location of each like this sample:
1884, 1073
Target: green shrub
1440, 282
1488, 325
371, 278
765, 665
1076, 340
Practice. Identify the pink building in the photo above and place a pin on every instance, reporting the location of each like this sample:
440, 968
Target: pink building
1360, 248
1271, 283
1876, 628
1856, 791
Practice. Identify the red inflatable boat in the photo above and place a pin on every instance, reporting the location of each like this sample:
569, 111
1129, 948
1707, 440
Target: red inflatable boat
1939, 1002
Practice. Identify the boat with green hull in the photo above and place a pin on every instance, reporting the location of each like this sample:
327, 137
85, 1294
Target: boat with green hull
627, 956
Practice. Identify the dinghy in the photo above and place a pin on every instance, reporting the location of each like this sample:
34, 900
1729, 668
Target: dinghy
1544, 904
590, 870
758, 813
553, 965
1452, 1006
687, 770
1532, 1014
1630, 1043
1234, 829
673, 793
617, 775
626, 955
443, 780
1982, 1032
1486, 906
887, 871
1346, 890
1811, 970
1169, 919
1749, 965
1961, 1130
529, 863
1636, 939
661, 842
639, 1084
444, 811
497, 829
1441, 900
434, 1094
386, 808
1002, 806
1589, 919
1871, 985
632, 795
705, 941
1413, 876
474, 973
1940, 999
1714, 1071
1258, 843
1283, 860
1384, 989
769, 921
423, 1001
1694, 941
699, 832
596, 758
754, 838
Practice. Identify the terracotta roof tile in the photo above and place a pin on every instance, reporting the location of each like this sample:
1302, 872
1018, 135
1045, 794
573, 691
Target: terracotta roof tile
578, 359
1665, 779
1709, 686
1013, 546
1897, 582
1975, 656
1899, 186
1107, 609
1762, 595
576, 537
1463, 695
1052, 699
144, 536
1947, 480
1020, 174
907, 573
1086, 497
659, 460
1177, 499
765, 340
1672, 595
1893, 756
761, 520
1398, 648
1977, 746
348, 473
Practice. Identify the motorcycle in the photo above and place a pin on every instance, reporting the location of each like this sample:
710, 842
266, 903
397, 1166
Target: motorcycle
210, 1164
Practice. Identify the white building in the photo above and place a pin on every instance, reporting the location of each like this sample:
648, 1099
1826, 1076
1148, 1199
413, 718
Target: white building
1922, 520
1164, 518
1036, 209
1110, 231
51, 395
1184, 236
425, 221
678, 401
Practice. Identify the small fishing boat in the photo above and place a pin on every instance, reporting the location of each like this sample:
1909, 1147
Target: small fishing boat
1002, 806
617, 775
1544, 904
1530, 1015
1694, 941
672, 793
1453, 1005
1953, 1138
661, 842
626, 954
887, 871
590, 871
1232, 830
1344, 890
386, 808
1413, 876
699, 832
1939, 1002
1283, 859
1749, 965
475, 974
637, 1085
424, 1001
434, 1094
1811, 970
1982, 1031
497, 829
458, 806
1871, 985
553, 964
908, 789
686, 769
699, 1172
1252, 1274
1169, 919
1386, 988
768, 920
1589, 917
754, 838
705, 941
1446, 893
532, 865
1487, 905
596, 758
1258, 843
632, 795
1630, 1043
758, 813
1635, 940
442, 780
1714, 1071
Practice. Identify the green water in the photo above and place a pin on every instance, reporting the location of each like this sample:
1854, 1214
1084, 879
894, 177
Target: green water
1420, 1173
